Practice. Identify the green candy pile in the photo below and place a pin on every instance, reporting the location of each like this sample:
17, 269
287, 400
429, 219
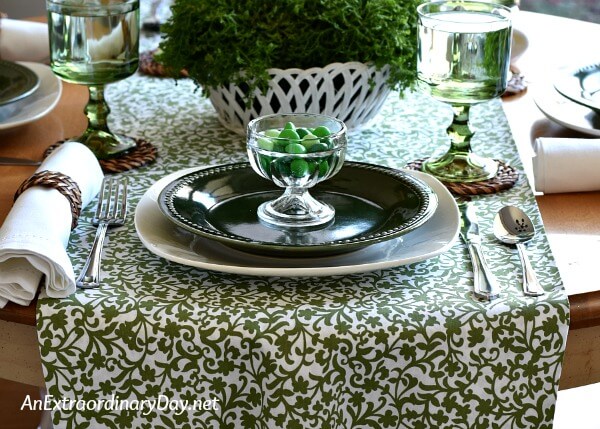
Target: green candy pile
294, 140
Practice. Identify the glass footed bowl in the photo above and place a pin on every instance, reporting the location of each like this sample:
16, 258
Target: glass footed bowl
296, 151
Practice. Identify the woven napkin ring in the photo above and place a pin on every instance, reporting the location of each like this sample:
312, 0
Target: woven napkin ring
62, 183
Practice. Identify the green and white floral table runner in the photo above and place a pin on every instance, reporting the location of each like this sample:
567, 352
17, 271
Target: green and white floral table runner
162, 345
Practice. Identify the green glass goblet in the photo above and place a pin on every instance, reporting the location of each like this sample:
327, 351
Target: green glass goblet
463, 59
95, 43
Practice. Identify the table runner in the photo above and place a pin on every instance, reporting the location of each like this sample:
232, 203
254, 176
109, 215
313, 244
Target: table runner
406, 347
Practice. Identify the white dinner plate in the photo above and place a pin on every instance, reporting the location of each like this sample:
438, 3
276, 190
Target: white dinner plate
36, 105
565, 112
582, 85
165, 239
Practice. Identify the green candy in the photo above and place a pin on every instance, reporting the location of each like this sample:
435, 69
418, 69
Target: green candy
302, 132
321, 131
289, 126
309, 140
328, 142
289, 134
299, 167
279, 145
323, 168
265, 163
283, 166
318, 147
271, 133
265, 143
295, 148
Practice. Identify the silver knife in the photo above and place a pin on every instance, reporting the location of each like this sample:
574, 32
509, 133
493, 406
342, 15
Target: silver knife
17, 161
485, 285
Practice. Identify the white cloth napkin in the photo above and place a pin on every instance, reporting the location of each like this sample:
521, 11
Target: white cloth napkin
24, 41
566, 165
36, 231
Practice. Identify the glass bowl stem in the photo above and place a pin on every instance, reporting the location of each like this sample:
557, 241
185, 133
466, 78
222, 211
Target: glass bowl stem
297, 208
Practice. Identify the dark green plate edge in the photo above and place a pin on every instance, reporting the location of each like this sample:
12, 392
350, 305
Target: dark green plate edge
32, 82
428, 196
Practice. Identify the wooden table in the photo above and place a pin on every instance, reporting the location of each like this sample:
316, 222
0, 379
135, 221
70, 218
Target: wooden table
572, 221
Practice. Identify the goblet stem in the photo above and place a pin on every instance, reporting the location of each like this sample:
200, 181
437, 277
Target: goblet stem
98, 137
459, 131
297, 208
460, 164
97, 109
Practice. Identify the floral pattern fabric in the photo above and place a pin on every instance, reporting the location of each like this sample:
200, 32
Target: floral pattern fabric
406, 347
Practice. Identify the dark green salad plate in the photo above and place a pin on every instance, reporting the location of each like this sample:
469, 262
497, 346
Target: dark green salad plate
372, 204
16, 82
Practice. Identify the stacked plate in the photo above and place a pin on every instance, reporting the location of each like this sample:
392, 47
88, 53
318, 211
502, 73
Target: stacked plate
207, 218
28, 91
573, 99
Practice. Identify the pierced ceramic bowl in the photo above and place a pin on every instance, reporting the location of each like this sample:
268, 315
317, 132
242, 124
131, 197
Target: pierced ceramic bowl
296, 151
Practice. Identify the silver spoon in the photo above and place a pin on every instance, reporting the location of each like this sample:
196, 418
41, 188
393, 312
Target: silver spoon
513, 226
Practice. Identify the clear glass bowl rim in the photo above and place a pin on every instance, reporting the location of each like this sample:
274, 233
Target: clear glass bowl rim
252, 124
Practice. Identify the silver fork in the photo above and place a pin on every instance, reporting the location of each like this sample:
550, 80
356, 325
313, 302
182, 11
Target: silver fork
111, 211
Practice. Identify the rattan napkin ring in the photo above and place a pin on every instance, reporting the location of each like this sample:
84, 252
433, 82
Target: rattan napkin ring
62, 183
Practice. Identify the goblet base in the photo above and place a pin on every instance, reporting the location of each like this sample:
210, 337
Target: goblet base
106, 145
461, 167
295, 211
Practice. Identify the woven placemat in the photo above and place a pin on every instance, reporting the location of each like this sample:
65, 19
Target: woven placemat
144, 153
506, 178
149, 66
62, 183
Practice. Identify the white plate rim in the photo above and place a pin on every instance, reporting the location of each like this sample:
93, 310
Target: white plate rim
446, 207
50, 87
565, 83
547, 96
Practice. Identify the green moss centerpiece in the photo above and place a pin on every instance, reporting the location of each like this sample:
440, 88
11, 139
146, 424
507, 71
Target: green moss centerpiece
256, 57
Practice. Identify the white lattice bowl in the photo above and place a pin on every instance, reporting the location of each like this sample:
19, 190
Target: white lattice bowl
352, 92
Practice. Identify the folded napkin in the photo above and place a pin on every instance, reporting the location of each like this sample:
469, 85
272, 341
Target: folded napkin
24, 41
35, 233
566, 165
